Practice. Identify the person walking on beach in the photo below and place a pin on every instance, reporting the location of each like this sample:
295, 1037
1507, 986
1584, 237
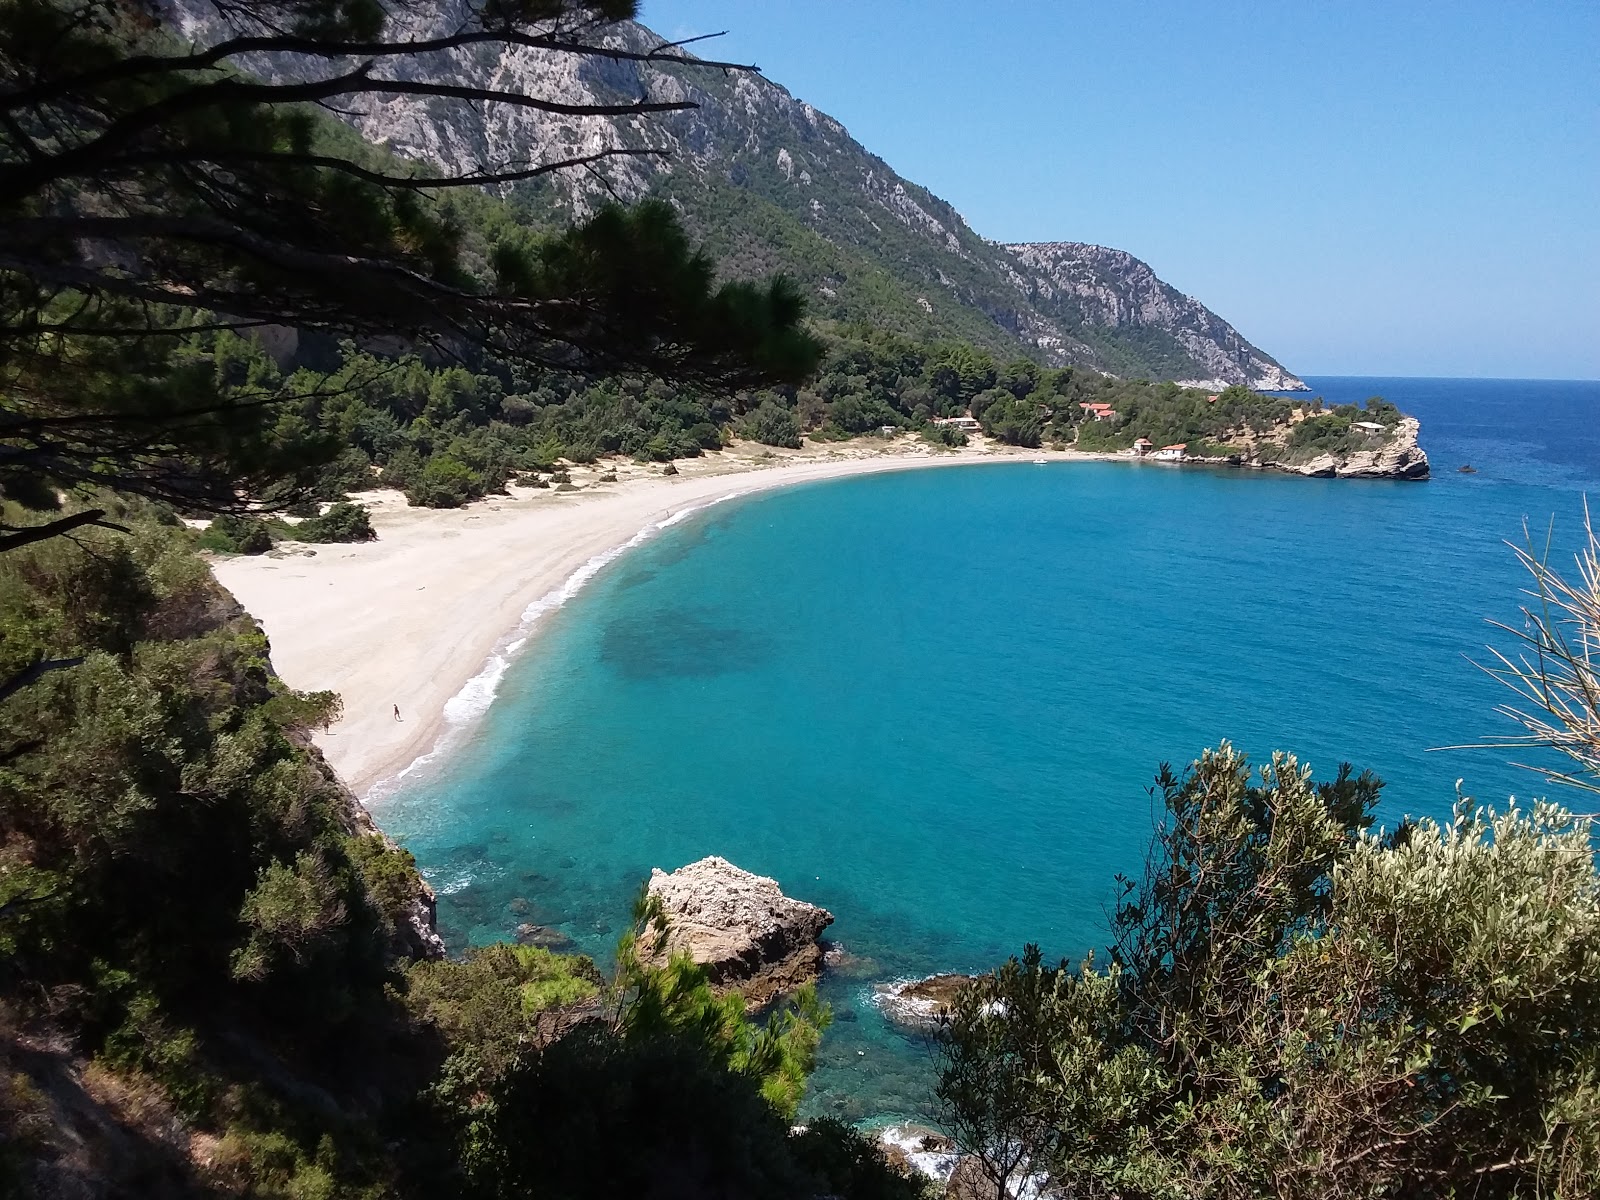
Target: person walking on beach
397, 716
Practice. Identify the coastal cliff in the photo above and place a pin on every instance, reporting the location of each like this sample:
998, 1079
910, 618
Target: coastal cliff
740, 927
416, 925
1400, 457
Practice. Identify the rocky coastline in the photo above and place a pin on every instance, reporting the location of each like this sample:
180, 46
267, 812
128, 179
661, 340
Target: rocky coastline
1400, 457
749, 936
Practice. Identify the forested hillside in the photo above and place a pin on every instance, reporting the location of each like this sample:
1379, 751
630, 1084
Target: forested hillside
446, 434
768, 183
215, 977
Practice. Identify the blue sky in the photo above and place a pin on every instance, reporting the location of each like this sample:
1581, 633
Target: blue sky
1401, 188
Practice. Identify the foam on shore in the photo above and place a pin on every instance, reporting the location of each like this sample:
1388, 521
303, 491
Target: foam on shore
478, 694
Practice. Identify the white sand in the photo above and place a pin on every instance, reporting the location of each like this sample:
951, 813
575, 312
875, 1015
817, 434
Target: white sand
413, 617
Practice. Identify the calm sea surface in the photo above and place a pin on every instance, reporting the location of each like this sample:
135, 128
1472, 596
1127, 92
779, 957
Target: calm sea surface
934, 701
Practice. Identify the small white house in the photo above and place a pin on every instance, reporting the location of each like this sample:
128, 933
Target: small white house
1367, 426
1174, 453
1142, 446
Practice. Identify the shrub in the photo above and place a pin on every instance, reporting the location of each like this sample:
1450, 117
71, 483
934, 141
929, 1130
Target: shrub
772, 425
343, 522
1298, 1006
228, 534
445, 482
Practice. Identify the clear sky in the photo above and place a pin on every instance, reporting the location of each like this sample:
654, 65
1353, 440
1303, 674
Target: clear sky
1362, 188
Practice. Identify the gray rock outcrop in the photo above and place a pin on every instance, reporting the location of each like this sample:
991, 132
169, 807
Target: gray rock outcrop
1097, 286
1398, 458
740, 927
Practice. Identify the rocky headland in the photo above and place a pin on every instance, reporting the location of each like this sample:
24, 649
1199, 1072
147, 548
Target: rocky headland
1400, 457
740, 927
1394, 454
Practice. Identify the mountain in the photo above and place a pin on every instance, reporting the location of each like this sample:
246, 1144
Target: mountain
769, 183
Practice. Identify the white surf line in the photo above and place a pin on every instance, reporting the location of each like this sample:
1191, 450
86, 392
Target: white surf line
478, 694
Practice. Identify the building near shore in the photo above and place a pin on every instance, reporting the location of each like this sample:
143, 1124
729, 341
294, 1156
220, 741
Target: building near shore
1176, 452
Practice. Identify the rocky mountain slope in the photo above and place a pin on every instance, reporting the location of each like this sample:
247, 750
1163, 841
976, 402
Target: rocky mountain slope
770, 183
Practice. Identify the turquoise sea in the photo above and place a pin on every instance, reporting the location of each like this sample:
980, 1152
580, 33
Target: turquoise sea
934, 701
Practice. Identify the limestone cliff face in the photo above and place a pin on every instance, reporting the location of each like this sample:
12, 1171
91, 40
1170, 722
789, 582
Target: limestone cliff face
769, 183
1110, 289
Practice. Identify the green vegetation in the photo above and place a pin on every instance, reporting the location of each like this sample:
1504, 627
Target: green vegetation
1296, 1006
839, 222
230, 533
191, 901
215, 977
447, 436
343, 522
218, 301
160, 203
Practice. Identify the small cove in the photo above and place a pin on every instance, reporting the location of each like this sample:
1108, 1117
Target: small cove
934, 701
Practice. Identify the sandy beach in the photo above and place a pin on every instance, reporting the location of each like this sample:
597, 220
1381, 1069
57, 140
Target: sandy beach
411, 619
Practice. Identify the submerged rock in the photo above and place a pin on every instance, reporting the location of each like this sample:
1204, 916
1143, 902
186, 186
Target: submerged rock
545, 937
748, 935
917, 1003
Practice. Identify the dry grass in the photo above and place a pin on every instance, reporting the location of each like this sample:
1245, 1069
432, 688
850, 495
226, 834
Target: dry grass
1554, 670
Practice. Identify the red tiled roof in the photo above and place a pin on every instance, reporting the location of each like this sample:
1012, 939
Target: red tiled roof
1178, 446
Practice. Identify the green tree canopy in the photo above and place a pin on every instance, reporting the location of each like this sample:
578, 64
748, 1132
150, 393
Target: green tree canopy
1296, 1006
151, 189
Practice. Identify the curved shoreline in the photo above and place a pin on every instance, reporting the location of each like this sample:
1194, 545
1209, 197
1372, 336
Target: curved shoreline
428, 617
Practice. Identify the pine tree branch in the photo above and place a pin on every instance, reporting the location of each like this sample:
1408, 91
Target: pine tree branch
481, 178
12, 100
38, 533
99, 155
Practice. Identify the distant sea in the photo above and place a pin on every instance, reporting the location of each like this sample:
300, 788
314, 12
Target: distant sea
934, 701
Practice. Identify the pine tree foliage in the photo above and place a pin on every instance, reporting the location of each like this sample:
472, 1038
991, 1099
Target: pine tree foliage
151, 190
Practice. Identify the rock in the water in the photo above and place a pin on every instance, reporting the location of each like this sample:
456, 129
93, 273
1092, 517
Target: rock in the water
542, 935
748, 935
926, 1151
917, 1003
